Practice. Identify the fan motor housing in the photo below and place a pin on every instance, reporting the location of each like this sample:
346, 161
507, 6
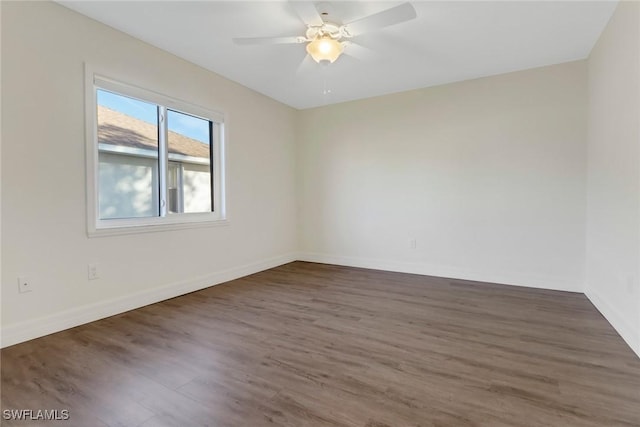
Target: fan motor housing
326, 29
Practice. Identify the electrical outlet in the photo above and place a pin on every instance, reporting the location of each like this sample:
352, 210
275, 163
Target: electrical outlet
413, 243
25, 284
631, 284
92, 272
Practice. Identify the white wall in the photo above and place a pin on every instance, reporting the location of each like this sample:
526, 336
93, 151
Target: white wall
1, 247
613, 212
487, 175
44, 46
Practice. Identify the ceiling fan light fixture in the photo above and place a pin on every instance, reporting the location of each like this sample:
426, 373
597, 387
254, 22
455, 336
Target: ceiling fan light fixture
325, 48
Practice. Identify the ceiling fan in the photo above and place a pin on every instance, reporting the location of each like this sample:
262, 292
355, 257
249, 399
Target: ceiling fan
326, 40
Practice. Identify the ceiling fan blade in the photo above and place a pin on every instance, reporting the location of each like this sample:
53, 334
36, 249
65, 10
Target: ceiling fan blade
386, 18
268, 40
307, 12
358, 51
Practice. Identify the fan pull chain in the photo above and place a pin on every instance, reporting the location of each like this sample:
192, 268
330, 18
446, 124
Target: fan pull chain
326, 91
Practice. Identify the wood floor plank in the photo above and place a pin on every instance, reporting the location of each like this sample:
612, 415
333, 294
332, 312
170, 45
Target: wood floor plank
319, 345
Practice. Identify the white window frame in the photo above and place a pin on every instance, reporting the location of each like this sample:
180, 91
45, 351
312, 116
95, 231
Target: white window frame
101, 227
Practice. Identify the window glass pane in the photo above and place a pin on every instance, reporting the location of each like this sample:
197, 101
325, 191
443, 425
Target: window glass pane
189, 177
127, 156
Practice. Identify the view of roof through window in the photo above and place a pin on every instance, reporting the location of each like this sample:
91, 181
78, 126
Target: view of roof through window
184, 124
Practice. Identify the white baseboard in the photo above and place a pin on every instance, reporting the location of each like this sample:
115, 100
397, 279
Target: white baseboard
439, 271
625, 329
24, 331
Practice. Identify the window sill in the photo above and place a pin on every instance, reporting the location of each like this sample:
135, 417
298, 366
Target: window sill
118, 230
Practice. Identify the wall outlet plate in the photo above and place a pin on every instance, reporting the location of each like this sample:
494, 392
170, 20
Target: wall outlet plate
413, 243
25, 284
93, 272
631, 283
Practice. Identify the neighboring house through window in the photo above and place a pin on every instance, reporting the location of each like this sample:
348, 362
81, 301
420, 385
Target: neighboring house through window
154, 161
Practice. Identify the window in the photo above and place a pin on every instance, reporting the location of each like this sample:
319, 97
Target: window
153, 162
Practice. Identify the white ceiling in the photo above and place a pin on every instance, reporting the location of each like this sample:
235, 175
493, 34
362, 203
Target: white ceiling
449, 41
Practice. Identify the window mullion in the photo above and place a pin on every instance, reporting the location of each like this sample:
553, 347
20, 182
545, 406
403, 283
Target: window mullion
163, 159
212, 158
180, 179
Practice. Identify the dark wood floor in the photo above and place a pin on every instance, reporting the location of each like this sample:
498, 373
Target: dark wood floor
316, 345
